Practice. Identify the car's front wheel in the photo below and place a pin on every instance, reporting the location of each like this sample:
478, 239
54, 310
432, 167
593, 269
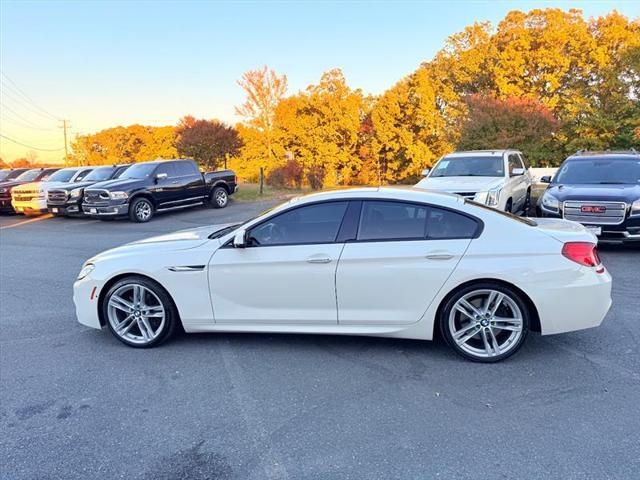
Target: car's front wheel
485, 322
140, 210
139, 312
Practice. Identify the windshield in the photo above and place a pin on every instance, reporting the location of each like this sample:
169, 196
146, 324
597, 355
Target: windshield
139, 171
599, 171
469, 167
29, 175
62, 175
102, 173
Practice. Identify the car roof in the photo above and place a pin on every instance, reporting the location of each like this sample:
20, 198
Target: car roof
605, 156
382, 193
481, 153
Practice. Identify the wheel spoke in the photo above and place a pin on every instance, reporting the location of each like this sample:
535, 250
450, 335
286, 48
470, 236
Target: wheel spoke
125, 325
510, 324
137, 294
464, 338
494, 342
145, 328
466, 308
485, 340
120, 303
493, 302
154, 312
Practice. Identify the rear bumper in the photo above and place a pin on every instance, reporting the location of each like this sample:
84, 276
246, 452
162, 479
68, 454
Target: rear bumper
582, 303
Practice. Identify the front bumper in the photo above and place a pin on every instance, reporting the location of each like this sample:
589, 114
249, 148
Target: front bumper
94, 210
69, 208
34, 206
5, 204
85, 298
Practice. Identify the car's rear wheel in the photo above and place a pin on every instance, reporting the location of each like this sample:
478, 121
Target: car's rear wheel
141, 210
527, 203
139, 312
485, 322
509, 206
219, 197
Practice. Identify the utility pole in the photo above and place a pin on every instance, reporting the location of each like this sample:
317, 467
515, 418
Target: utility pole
65, 125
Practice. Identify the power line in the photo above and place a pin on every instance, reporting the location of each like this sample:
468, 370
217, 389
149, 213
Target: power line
30, 146
27, 97
19, 116
24, 105
24, 125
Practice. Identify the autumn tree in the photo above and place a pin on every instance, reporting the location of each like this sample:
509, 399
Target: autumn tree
206, 141
21, 162
264, 89
135, 143
515, 122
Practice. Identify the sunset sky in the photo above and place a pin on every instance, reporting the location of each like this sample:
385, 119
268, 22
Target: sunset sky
102, 64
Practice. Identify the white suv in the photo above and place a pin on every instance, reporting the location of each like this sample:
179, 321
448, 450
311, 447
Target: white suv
497, 178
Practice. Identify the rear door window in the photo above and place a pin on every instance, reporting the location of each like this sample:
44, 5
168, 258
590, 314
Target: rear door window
443, 224
392, 221
184, 169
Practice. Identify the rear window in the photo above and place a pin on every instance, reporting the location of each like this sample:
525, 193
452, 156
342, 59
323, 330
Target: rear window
526, 221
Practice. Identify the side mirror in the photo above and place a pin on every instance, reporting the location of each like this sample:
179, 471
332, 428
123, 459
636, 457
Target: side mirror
425, 172
161, 176
546, 179
517, 172
239, 239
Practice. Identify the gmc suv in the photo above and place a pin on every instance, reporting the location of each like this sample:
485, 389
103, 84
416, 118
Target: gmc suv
66, 199
600, 190
163, 185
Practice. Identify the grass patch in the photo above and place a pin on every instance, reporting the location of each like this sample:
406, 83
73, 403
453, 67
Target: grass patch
250, 192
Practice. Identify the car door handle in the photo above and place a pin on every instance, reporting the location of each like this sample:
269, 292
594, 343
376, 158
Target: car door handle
439, 256
319, 260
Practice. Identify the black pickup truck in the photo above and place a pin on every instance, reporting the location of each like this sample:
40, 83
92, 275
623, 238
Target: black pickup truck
600, 190
158, 186
66, 199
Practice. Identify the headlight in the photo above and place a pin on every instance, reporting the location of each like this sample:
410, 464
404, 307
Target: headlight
635, 208
75, 193
41, 193
86, 270
3, 190
119, 195
493, 197
550, 203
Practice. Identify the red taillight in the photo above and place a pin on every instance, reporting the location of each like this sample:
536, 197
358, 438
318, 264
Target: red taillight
584, 253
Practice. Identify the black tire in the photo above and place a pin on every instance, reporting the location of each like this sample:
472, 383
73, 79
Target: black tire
219, 197
527, 203
141, 210
509, 206
171, 321
512, 347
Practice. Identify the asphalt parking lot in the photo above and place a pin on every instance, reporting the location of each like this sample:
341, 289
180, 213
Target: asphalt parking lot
76, 403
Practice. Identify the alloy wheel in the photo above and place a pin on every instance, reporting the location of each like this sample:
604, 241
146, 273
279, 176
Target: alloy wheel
143, 211
486, 323
136, 314
221, 197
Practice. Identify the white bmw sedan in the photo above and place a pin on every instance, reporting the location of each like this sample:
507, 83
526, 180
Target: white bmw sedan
387, 262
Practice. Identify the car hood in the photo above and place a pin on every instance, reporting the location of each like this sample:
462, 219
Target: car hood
180, 240
71, 185
120, 184
602, 193
11, 184
460, 184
